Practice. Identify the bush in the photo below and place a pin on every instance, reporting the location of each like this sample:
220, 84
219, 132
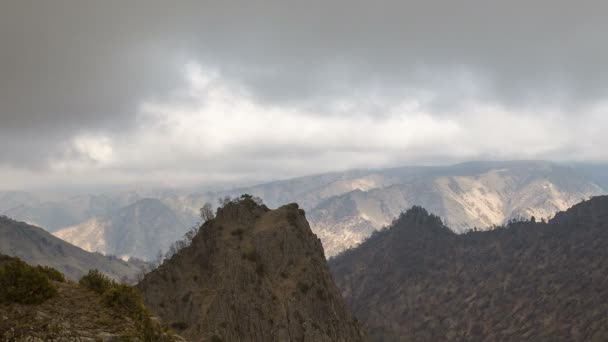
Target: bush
179, 326
24, 284
251, 255
303, 287
51, 273
125, 298
96, 281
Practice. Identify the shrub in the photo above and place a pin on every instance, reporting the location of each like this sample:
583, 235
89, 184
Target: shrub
238, 233
259, 269
251, 255
24, 284
303, 287
51, 273
96, 281
123, 297
179, 325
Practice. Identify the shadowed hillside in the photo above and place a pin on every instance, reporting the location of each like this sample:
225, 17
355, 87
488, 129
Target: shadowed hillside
417, 281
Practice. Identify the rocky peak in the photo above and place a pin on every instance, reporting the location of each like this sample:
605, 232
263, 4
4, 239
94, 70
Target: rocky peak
251, 274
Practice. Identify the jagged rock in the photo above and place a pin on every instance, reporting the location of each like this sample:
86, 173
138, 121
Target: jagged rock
251, 274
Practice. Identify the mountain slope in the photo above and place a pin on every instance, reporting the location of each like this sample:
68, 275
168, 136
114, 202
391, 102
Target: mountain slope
138, 230
251, 274
418, 281
65, 311
36, 246
467, 196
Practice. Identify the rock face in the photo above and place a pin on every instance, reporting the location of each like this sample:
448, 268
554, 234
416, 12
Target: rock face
533, 281
251, 274
38, 247
139, 230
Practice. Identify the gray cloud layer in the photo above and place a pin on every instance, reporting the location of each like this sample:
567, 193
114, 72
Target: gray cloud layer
74, 69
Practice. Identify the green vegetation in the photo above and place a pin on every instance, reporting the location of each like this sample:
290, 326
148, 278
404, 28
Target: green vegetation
303, 287
251, 255
52, 273
127, 300
216, 338
179, 326
25, 284
96, 281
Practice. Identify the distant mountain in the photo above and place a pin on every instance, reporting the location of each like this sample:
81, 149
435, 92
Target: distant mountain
535, 281
251, 274
36, 246
467, 196
139, 230
345, 207
54, 211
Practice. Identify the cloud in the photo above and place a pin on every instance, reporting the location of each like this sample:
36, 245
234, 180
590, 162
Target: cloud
96, 90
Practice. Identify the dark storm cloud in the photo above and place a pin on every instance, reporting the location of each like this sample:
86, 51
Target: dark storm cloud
84, 67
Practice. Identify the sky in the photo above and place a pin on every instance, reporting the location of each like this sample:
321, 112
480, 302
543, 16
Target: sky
181, 93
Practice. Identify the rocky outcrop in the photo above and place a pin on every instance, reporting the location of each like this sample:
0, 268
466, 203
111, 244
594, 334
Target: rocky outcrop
528, 281
251, 274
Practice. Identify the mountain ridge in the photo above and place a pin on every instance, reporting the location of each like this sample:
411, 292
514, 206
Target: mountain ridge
528, 280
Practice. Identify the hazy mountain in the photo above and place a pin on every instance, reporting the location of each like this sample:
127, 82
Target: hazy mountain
55, 210
466, 196
36, 246
418, 281
345, 207
251, 274
139, 230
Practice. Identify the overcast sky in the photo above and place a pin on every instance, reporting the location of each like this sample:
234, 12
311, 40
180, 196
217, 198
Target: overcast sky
201, 92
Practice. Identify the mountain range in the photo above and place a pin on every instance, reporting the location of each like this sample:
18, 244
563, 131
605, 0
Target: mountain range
343, 207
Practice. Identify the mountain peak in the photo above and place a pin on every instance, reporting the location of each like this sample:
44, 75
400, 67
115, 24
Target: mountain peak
251, 273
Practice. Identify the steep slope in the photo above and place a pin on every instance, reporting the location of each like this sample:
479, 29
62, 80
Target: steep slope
467, 196
139, 230
251, 274
70, 312
417, 281
36, 246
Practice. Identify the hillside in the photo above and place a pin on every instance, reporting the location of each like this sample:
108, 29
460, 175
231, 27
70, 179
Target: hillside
418, 281
139, 230
251, 274
38, 247
68, 311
